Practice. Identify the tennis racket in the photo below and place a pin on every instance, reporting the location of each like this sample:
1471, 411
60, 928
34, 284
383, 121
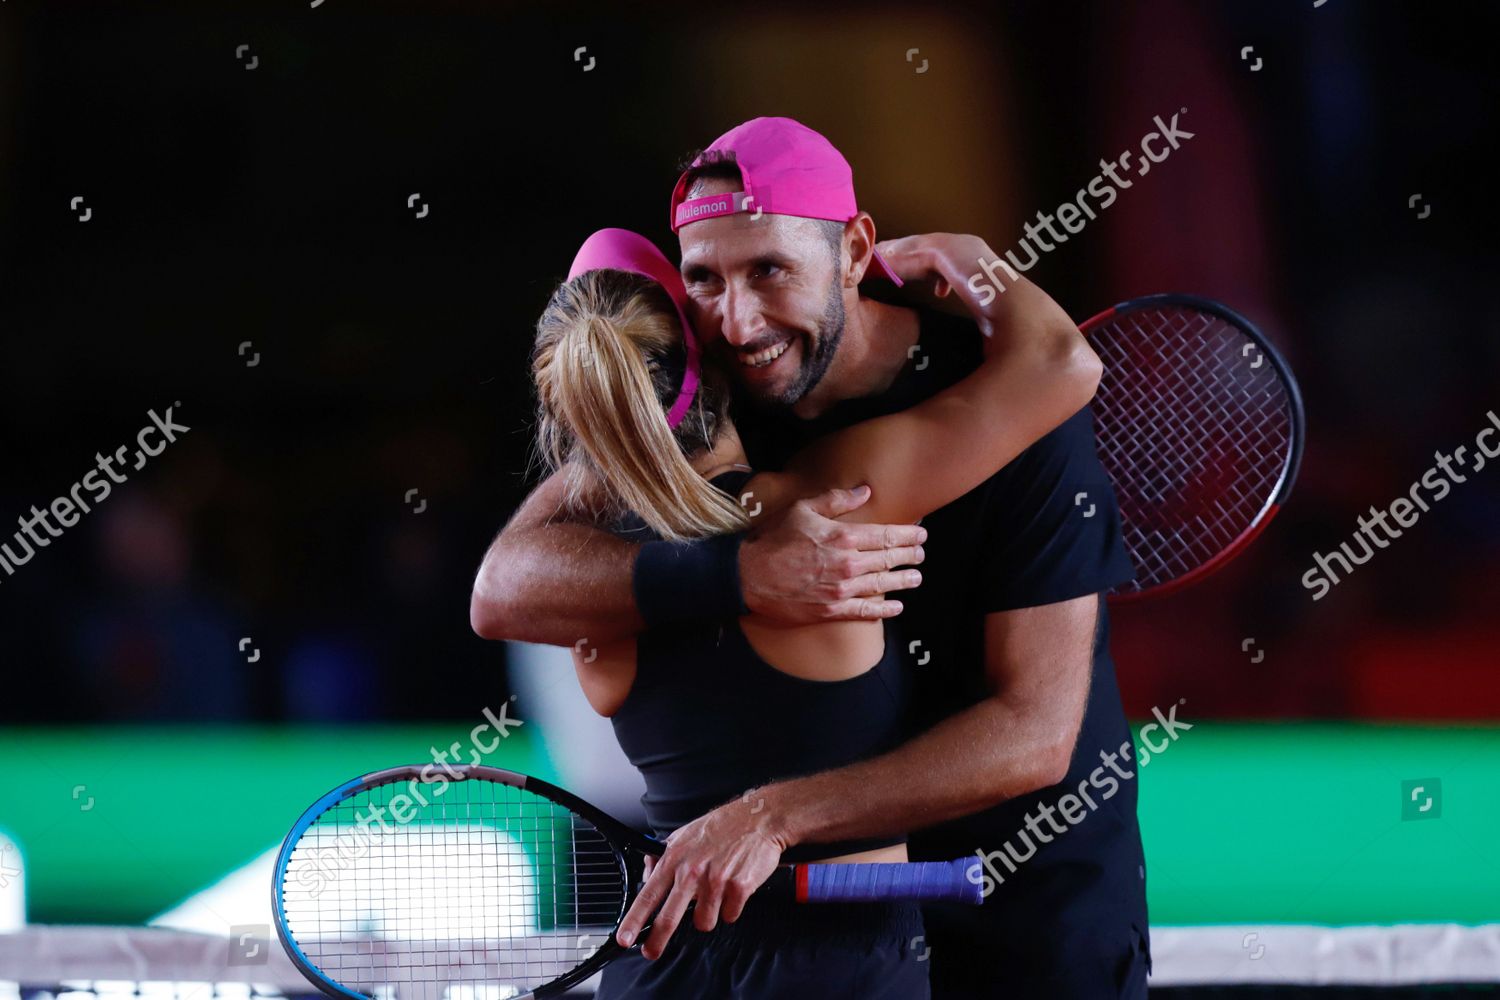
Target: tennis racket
1200, 428
474, 883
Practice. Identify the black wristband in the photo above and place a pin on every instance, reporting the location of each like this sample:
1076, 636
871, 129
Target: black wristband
681, 582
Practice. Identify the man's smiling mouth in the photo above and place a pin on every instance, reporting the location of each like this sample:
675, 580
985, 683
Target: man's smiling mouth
762, 358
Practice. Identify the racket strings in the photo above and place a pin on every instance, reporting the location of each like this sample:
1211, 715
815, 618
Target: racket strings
468, 890
1194, 428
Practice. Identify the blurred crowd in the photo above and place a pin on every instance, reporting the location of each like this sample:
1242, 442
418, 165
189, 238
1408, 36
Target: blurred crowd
306, 553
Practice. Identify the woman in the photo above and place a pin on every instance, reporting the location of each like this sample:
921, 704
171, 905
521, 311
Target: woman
643, 433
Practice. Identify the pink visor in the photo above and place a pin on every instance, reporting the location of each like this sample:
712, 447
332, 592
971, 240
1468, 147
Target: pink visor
785, 169
623, 250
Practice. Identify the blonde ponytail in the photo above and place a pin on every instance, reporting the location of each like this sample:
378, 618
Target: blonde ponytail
601, 373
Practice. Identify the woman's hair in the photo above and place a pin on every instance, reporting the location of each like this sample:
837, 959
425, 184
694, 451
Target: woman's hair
608, 361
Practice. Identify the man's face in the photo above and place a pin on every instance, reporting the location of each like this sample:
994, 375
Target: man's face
765, 296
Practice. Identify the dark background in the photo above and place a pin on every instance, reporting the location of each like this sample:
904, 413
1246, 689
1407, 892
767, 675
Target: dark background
270, 206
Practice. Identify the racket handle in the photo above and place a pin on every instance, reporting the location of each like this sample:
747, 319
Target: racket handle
908, 882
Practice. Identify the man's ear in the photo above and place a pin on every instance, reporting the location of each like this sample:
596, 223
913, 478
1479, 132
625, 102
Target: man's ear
859, 247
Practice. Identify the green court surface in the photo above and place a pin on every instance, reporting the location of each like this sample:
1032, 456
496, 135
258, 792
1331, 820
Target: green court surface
1243, 823
1317, 823
118, 824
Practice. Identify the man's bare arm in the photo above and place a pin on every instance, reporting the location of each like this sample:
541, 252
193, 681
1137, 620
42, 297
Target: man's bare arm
553, 577
1021, 738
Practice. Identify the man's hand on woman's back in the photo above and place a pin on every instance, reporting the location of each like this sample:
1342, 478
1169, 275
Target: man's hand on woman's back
552, 577
802, 566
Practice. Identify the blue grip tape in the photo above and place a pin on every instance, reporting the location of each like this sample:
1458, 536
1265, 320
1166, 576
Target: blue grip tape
912, 882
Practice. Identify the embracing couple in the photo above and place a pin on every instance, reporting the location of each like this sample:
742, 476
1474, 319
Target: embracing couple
749, 455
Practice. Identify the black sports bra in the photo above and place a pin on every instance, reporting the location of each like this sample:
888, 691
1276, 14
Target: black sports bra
707, 718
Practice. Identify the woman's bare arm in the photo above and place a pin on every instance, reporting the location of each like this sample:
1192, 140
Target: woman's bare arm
1038, 370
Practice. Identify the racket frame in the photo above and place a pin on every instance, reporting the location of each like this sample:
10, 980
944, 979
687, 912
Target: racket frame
629, 846
1297, 420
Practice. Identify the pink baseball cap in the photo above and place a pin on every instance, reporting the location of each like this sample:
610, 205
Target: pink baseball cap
623, 250
785, 169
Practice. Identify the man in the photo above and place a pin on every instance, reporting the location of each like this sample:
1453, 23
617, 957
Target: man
1008, 634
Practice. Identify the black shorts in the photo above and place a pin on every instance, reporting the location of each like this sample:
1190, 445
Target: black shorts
785, 951
1079, 961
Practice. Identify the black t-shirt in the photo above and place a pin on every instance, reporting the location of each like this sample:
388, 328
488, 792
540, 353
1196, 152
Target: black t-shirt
1043, 529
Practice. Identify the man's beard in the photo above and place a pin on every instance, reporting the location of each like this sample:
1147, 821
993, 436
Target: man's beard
830, 332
